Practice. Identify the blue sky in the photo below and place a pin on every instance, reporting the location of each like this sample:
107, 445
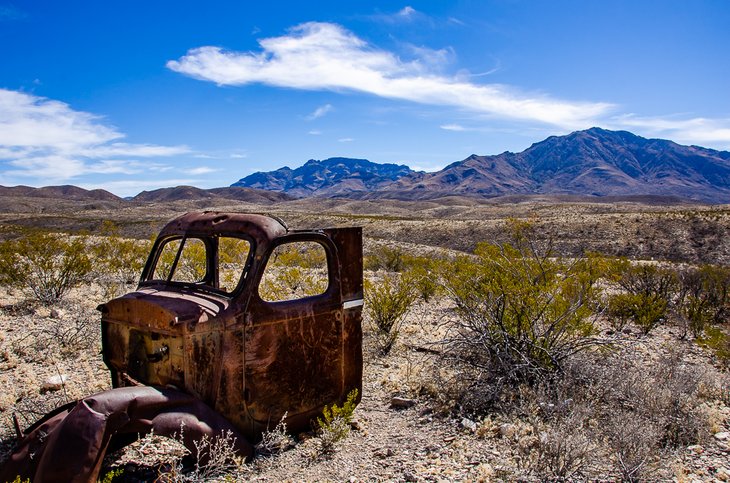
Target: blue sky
131, 96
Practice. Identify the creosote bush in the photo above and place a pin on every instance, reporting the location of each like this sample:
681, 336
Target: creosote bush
335, 423
390, 259
704, 297
118, 262
423, 275
520, 311
47, 265
648, 291
387, 303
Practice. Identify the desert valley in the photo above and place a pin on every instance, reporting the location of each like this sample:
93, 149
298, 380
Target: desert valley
613, 250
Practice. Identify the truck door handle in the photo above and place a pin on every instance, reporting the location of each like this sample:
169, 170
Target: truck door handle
158, 354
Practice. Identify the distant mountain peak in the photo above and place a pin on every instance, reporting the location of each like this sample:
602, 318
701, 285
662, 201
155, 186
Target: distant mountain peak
327, 177
593, 162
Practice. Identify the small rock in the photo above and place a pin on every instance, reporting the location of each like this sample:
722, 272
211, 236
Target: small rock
402, 403
722, 474
722, 436
467, 423
696, 448
54, 383
507, 430
55, 314
409, 476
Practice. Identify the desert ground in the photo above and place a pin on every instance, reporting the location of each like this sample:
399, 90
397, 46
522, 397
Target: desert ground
640, 406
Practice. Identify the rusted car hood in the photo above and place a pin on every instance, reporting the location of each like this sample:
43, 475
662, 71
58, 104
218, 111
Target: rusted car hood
163, 308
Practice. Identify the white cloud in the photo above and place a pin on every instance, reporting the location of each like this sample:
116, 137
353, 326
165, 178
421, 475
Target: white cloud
429, 168
453, 127
315, 132
325, 56
407, 12
319, 112
238, 156
346, 140
47, 139
697, 130
200, 170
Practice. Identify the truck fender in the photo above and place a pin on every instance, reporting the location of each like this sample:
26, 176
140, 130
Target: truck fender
68, 444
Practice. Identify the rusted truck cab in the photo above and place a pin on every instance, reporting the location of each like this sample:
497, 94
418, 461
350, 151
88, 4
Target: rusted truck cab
253, 318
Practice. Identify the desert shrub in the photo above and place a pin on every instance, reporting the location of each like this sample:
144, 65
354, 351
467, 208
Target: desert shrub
387, 303
47, 265
717, 341
212, 458
390, 259
520, 313
118, 262
641, 407
647, 293
335, 423
423, 275
633, 441
109, 476
704, 296
276, 440
563, 447
295, 270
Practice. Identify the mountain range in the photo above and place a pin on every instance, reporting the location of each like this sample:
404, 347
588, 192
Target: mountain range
330, 177
593, 162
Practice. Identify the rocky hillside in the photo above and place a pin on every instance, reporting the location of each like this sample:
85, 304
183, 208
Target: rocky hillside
187, 193
61, 192
329, 177
594, 162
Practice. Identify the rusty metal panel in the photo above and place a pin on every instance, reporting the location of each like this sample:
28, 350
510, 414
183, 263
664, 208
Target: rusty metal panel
69, 446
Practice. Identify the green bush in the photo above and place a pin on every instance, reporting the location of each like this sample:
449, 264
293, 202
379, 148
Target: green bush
704, 296
717, 341
335, 423
521, 312
118, 262
390, 259
386, 305
47, 265
648, 291
423, 275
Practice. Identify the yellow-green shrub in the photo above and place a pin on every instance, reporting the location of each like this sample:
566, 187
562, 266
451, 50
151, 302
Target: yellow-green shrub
47, 265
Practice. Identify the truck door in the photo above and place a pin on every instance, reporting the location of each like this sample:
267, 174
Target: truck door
293, 336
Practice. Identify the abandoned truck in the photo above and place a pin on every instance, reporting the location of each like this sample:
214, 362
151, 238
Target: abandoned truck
236, 321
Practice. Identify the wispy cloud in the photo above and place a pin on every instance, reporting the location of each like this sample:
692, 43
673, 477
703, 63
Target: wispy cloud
47, 139
319, 112
315, 132
406, 14
346, 140
453, 127
325, 56
200, 170
696, 130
